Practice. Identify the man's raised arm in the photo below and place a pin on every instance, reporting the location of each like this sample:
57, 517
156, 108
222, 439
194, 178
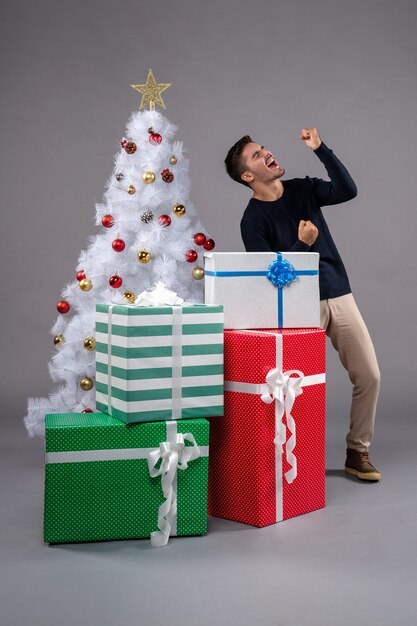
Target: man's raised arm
341, 187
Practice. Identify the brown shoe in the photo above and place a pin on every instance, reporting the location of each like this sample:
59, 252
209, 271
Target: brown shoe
359, 465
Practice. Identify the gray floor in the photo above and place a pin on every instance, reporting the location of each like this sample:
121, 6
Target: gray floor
351, 563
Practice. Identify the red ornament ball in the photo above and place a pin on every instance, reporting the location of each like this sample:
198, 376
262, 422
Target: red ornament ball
199, 239
209, 244
154, 138
81, 275
164, 220
107, 221
191, 256
88, 411
63, 306
118, 245
115, 281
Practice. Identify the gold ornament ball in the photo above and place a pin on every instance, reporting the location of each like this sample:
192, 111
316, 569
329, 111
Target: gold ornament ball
173, 160
148, 177
86, 383
85, 284
131, 190
198, 273
90, 343
129, 296
144, 256
179, 210
58, 339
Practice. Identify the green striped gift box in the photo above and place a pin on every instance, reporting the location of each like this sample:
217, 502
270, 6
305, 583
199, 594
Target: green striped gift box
159, 363
98, 485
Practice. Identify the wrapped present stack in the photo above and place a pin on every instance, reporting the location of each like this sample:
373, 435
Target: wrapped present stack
140, 467
267, 455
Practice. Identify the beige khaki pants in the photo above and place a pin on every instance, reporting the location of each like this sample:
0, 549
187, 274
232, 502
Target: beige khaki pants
349, 335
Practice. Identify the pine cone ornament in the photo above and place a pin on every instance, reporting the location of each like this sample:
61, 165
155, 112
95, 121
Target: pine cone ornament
130, 147
167, 176
146, 217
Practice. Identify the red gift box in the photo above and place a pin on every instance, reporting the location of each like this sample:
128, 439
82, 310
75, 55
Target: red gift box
267, 456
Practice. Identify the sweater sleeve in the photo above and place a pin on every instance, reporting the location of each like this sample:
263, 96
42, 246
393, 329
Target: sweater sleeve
340, 188
255, 239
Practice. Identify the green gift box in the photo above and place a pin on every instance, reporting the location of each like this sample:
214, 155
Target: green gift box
159, 363
108, 480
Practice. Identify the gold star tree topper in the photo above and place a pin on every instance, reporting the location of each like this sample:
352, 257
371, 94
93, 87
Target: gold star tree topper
151, 92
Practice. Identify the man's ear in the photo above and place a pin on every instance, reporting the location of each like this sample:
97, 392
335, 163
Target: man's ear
247, 177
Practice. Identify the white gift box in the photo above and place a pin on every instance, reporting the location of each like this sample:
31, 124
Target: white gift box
264, 289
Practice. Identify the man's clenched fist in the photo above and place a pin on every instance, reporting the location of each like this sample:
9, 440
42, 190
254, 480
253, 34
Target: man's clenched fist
307, 232
311, 138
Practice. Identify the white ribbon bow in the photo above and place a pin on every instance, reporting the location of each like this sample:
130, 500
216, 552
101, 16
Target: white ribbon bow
284, 390
158, 295
173, 455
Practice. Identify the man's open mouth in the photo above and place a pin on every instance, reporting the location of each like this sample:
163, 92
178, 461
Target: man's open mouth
271, 163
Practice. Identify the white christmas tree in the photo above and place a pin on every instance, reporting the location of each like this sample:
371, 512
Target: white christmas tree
148, 233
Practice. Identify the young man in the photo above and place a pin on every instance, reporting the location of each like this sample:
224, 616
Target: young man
286, 216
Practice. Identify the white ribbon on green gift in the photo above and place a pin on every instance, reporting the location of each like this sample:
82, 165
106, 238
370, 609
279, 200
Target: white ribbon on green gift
281, 388
176, 404
173, 453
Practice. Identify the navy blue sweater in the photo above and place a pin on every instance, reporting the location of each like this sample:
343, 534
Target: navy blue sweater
272, 226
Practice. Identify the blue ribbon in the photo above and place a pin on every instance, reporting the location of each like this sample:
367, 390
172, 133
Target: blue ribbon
281, 273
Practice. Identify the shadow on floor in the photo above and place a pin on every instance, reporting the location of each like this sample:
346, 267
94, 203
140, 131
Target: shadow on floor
342, 474
337, 472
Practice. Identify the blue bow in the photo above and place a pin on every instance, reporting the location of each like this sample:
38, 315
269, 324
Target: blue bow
281, 272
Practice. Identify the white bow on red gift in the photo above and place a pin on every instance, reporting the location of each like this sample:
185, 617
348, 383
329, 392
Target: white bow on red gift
284, 390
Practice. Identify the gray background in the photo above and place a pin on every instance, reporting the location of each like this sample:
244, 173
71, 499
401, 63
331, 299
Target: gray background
268, 69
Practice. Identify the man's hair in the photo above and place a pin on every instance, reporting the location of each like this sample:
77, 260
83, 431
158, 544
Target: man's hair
234, 162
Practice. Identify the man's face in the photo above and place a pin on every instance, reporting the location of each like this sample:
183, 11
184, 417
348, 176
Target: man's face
260, 164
